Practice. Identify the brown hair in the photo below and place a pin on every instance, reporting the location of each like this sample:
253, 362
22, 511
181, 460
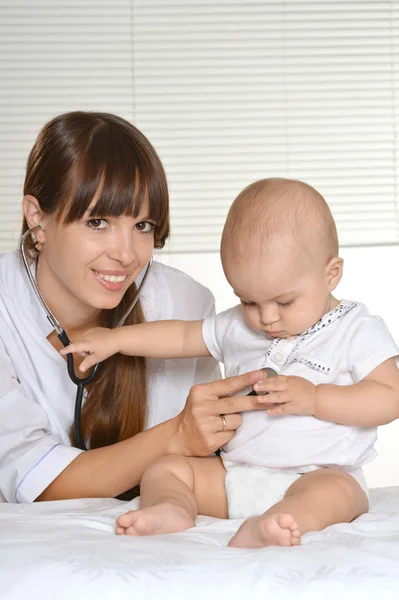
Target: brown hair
75, 155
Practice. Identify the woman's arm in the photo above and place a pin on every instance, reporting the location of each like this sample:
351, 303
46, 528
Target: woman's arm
157, 339
32, 452
110, 471
197, 431
36, 463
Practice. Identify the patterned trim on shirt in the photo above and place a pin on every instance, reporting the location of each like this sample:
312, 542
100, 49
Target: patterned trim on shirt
325, 321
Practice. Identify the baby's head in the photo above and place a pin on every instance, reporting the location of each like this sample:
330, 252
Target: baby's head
280, 255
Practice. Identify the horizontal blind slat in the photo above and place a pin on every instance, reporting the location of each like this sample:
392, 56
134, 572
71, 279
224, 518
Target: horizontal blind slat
227, 91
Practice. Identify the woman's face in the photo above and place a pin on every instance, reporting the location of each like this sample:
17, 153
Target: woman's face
93, 261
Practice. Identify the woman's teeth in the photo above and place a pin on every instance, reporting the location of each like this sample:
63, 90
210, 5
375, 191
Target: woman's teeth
113, 278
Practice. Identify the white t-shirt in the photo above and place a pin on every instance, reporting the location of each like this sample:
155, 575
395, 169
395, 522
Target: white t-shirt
36, 395
342, 349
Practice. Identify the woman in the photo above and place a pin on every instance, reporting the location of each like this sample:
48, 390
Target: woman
98, 189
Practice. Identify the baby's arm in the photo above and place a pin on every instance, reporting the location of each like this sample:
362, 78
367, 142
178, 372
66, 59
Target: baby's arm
368, 403
156, 339
372, 399
371, 402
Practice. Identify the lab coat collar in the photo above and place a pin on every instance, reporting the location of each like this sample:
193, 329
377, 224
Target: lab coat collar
18, 295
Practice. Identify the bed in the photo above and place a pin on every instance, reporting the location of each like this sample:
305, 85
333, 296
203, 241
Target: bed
68, 550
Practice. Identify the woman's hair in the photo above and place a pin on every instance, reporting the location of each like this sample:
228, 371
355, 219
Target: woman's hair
76, 155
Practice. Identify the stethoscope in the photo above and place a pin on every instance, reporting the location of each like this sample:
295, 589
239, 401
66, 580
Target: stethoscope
80, 382
270, 373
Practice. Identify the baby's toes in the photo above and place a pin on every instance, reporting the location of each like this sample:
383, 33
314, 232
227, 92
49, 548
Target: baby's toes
286, 521
131, 531
126, 519
293, 526
295, 537
295, 541
119, 530
296, 533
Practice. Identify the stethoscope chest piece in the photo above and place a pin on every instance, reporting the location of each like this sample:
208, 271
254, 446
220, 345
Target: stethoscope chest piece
270, 373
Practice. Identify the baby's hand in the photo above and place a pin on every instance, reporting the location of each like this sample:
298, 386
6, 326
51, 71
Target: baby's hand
99, 343
287, 395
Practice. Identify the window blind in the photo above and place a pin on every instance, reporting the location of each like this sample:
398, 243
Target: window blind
228, 91
56, 57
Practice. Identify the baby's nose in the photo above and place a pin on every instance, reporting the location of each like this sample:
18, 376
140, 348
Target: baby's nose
268, 317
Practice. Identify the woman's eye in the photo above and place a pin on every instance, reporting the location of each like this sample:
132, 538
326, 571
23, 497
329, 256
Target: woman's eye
97, 224
145, 227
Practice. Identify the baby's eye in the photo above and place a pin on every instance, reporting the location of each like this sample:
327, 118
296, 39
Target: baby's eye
145, 227
247, 303
97, 224
286, 303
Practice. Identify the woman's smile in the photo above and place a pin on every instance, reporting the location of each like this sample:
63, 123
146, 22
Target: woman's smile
111, 280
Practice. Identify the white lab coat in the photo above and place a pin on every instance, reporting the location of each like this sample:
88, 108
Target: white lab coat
36, 395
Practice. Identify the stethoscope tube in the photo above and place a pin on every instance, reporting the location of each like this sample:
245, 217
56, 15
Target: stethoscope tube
80, 382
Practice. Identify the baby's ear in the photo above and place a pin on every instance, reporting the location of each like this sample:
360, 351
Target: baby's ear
334, 271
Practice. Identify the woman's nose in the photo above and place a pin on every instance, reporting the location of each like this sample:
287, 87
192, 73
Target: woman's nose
122, 248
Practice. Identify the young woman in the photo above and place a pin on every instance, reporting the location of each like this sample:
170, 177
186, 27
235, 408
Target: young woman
97, 188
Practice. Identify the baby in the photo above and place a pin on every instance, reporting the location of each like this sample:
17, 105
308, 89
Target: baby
297, 466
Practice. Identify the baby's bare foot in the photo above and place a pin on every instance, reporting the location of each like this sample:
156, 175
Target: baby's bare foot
154, 520
279, 529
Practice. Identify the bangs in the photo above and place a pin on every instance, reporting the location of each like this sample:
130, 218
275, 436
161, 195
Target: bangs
124, 176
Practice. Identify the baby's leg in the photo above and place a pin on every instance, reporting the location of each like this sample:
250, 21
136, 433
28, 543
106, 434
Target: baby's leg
313, 502
173, 490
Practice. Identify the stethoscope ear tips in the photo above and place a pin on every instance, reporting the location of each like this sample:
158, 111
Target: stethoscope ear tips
32, 235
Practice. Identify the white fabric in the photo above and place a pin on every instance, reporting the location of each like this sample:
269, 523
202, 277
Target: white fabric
252, 491
67, 551
346, 350
36, 395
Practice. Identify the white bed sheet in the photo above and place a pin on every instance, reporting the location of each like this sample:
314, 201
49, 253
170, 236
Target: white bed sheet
68, 551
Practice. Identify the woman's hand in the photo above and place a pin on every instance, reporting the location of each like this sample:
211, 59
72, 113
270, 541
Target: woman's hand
211, 414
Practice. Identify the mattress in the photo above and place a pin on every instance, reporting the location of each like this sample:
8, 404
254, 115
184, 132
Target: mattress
68, 551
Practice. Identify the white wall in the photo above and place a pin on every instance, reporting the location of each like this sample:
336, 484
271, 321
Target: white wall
371, 276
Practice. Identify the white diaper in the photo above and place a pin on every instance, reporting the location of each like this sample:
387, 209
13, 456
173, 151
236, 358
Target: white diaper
253, 490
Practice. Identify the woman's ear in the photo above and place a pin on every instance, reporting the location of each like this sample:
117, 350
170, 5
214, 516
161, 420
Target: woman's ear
32, 211
334, 271
34, 217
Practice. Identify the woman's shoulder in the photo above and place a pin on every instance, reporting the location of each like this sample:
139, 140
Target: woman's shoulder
9, 259
172, 275
174, 291
10, 268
